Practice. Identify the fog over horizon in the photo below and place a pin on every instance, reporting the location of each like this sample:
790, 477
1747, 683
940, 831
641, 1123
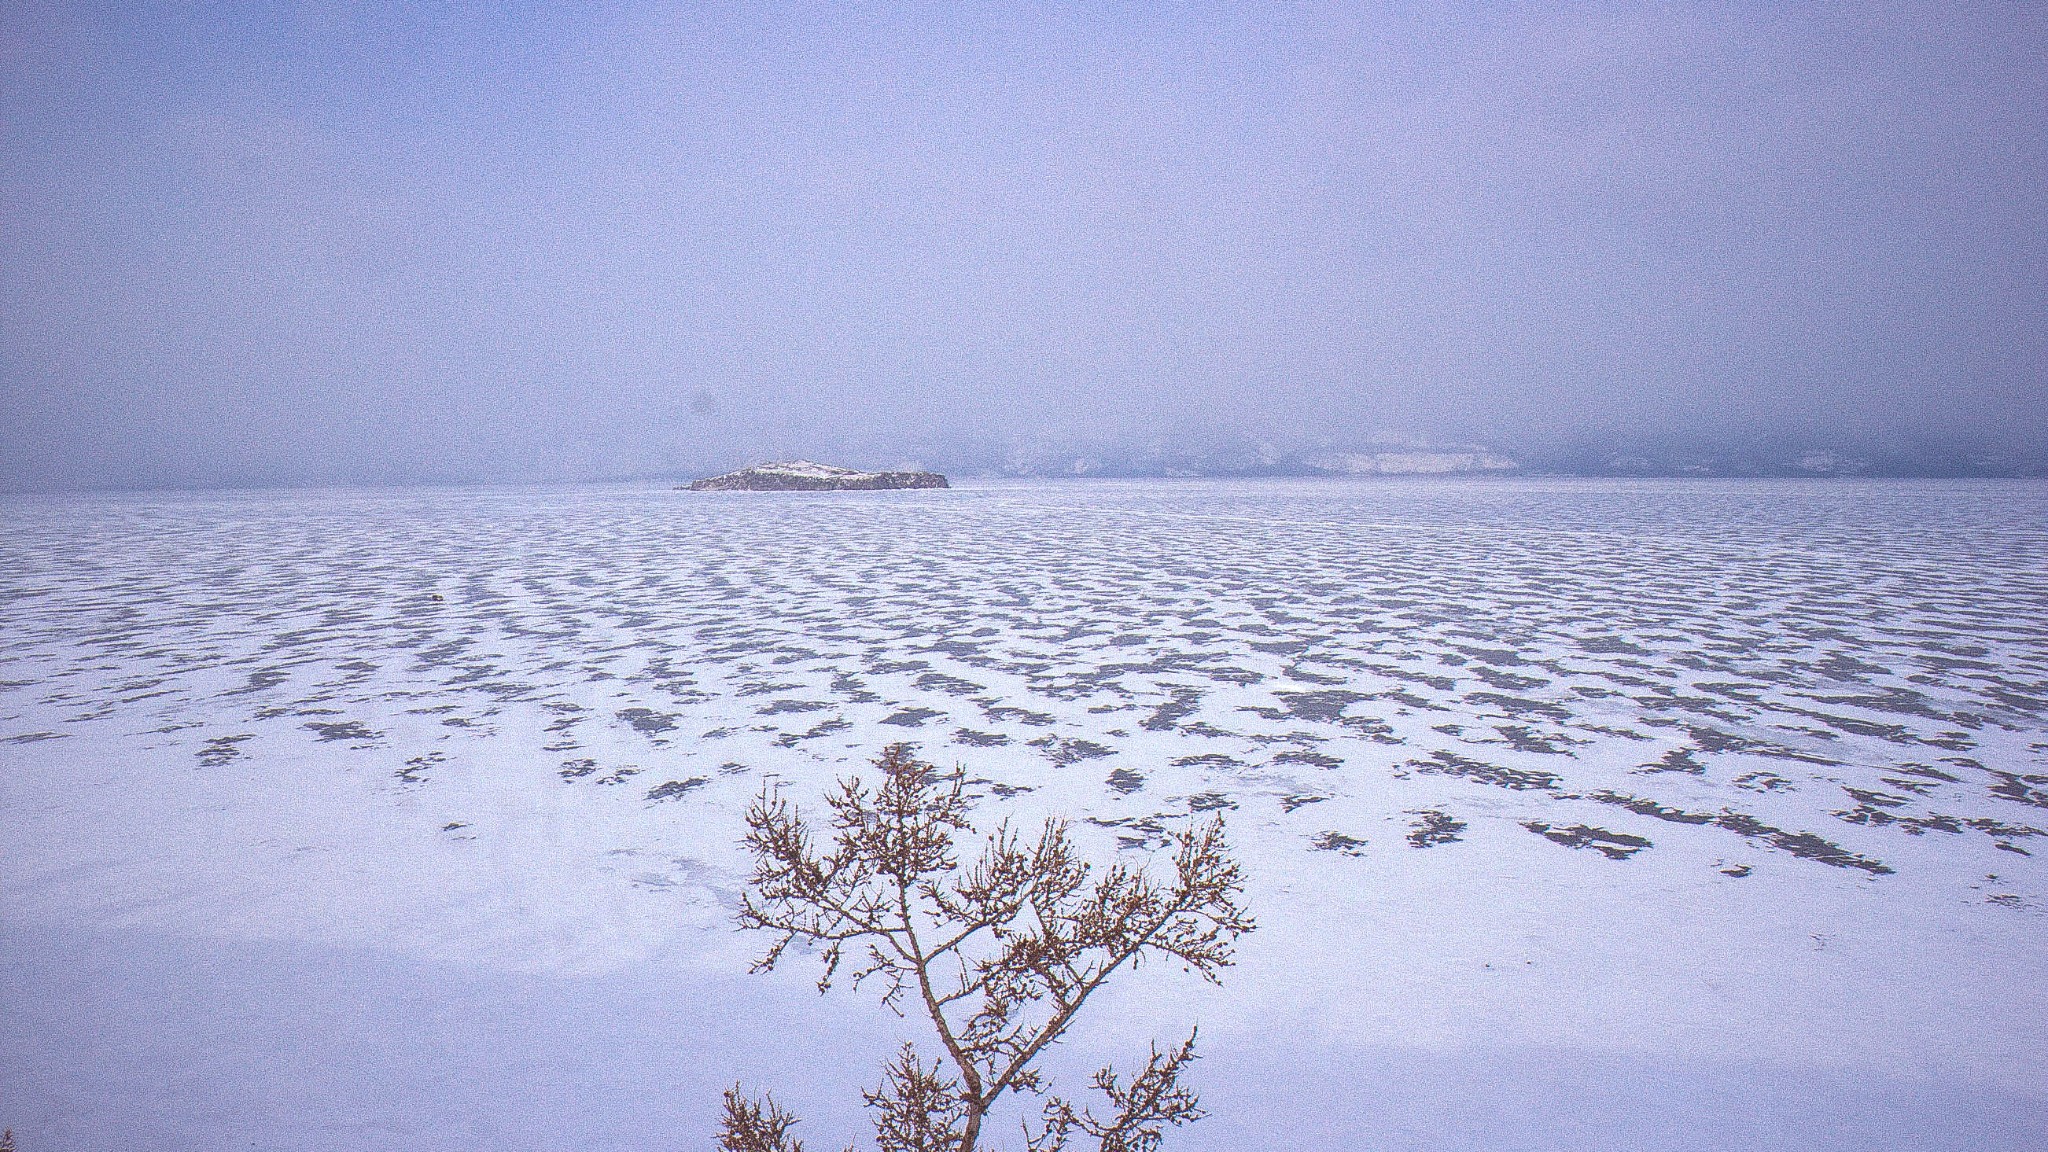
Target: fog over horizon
306, 243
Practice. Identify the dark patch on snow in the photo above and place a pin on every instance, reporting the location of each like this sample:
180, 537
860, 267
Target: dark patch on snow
821, 728
1148, 829
1613, 845
675, 789
1006, 712
1290, 803
912, 717
1716, 740
1280, 647
2025, 788
1326, 706
222, 749
952, 685
1308, 756
1520, 707
1927, 771
1804, 845
648, 722
853, 688
1433, 828
1185, 703
1334, 841
1610, 646
1126, 781
1452, 764
1647, 807
1676, 760
2000, 828
260, 681
762, 689
1499, 657
1063, 752
343, 730
1525, 739
1865, 796
1507, 681
1404, 696
974, 739
1874, 817
415, 770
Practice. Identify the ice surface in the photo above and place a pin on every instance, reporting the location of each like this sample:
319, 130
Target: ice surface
1734, 785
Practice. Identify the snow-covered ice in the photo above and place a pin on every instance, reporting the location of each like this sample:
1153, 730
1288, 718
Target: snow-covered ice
1646, 814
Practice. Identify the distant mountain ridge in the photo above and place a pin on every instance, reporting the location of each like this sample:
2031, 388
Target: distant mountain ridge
1390, 456
1395, 456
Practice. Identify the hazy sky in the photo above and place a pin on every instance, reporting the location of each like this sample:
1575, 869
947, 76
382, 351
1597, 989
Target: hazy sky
310, 242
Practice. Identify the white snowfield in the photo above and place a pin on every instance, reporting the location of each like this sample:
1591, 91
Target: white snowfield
1576, 814
810, 468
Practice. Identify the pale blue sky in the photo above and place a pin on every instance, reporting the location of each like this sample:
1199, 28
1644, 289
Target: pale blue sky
311, 243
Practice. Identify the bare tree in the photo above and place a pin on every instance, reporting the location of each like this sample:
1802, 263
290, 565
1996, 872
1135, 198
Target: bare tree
999, 954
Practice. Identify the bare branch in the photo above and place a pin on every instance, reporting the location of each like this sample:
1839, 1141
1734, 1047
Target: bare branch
916, 1109
1154, 1098
755, 1125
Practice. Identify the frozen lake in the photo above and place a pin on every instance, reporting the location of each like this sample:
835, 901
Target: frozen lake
1576, 813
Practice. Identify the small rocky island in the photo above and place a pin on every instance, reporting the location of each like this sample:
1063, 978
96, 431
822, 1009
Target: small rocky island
806, 476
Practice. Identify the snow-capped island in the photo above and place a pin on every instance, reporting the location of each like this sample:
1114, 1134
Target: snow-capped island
808, 476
